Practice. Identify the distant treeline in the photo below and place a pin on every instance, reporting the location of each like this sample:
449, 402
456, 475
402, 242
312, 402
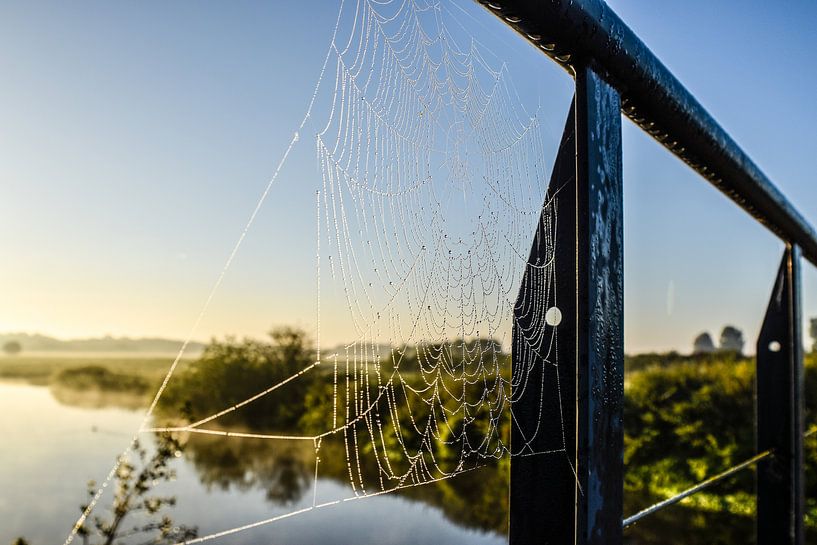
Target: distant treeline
639, 362
34, 342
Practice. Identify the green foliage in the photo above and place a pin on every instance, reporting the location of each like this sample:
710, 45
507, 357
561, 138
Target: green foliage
687, 418
813, 333
686, 422
640, 362
229, 372
133, 499
232, 371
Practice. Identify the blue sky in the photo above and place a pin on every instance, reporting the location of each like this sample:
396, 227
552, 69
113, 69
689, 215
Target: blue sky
751, 65
137, 138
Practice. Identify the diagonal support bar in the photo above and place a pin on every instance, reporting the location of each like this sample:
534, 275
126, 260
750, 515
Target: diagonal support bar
780, 498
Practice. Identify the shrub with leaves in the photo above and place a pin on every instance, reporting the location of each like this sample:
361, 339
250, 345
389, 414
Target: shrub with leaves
137, 514
231, 371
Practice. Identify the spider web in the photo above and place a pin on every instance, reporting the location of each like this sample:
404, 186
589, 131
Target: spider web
432, 178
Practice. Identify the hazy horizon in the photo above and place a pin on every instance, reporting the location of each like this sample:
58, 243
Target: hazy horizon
196, 345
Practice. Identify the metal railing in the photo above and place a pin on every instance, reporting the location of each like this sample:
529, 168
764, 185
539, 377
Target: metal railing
616, 73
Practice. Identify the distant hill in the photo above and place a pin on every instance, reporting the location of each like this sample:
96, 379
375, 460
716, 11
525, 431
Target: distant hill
34, 342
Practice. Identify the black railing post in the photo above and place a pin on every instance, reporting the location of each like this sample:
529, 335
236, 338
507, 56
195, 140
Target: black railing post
567, 434
780, 493
543, 430
600, 316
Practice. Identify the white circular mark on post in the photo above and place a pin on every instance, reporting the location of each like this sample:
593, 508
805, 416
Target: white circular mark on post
774, 346
553, 316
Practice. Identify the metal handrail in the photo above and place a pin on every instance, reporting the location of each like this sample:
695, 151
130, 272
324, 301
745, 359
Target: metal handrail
580, 32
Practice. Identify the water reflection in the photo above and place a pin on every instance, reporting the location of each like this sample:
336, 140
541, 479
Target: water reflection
94, 398
221, 483
282, 469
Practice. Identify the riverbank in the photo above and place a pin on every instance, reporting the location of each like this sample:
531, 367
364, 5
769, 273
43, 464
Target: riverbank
44, 370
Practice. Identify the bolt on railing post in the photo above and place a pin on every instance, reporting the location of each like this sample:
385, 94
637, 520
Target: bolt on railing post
779, 411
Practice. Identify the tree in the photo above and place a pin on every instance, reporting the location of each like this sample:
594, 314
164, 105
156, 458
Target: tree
12, 348
703, 344
813, 333
231, 371
732, 340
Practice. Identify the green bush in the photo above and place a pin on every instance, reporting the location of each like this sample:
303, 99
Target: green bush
231, 371
688, 418
101, 378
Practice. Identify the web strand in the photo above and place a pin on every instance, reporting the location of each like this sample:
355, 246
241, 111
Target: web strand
431, 182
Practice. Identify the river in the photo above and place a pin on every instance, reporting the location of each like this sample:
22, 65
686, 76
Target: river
51, 449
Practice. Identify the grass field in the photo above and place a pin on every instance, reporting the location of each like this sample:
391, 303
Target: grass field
42, 370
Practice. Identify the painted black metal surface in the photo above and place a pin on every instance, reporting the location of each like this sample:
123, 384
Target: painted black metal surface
573, 492
600, 313
587, 33
780, 499
576, 32
543, 485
